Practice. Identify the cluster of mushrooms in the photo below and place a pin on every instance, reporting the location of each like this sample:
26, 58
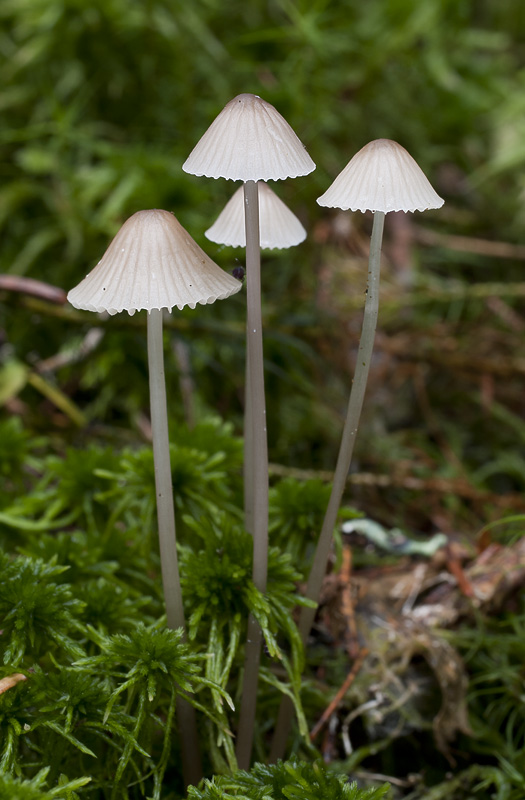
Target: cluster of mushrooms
154, 264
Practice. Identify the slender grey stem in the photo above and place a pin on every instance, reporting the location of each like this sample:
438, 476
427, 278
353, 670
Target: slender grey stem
187, 386
167, 538
252, 658
189, 742
355, 404
256, 404
258, 470
248, 449
163, 484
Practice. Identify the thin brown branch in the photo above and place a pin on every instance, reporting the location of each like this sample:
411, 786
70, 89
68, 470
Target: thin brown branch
338, 697
458, 486
347, 605
30, 286
469, 244
77, 353
464, 362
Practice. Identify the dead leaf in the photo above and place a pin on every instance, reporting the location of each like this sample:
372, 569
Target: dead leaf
11, 680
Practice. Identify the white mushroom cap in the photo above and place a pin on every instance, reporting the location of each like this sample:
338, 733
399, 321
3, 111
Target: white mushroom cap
152, 263
382, 176
249, 141
279, 227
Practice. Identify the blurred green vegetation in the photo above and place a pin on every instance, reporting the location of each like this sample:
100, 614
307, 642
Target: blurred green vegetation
101, 102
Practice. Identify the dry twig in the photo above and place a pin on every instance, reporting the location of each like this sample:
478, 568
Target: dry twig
337, 699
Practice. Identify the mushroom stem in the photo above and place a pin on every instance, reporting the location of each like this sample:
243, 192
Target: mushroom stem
257, 469
353, 414
355, 404
248, 449
163, 484
167, 537
252, 658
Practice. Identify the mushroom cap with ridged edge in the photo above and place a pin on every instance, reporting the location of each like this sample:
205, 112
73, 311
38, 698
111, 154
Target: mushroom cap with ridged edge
249, 141
279, 227
152, 263
382, 176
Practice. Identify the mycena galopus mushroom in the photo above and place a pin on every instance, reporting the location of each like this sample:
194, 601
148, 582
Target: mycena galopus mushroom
154, 264
380, 178
250, 141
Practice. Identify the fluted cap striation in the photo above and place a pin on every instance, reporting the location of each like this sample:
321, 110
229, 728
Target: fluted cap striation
249, 141
382, 176
152, 263
279, 227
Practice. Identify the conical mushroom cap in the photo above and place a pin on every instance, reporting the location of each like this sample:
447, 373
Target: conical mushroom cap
279, 227
249, 141
152, 263
382, 176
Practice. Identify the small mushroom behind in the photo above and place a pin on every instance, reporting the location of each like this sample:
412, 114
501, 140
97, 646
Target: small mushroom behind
153, 264
279, 227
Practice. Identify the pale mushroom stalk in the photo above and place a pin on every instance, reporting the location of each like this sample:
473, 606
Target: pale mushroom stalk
256, 470
163, 481
353, 414
274, 226
191, 761
257, 403
250, 141
381, 177
248, 448
152, 263
346, 449
278, 228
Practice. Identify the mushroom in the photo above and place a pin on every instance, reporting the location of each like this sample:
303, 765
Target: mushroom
381, 177
279, 227
250, 141
152, 264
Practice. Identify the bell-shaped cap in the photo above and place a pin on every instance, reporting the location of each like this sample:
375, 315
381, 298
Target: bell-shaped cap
152, 263
249, 141
382, 176
279, 227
